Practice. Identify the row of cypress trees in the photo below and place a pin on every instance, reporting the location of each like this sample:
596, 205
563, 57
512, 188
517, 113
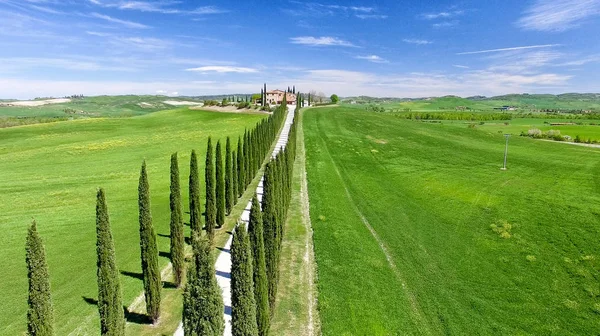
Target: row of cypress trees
255, 256
223, 189
225, 183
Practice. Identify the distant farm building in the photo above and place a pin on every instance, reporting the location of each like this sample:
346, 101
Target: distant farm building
275, 97
506, 108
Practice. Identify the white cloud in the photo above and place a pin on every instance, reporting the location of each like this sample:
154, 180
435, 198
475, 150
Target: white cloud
371, 16
314, 9
320, 41
417, 41
508, 49
164, 7
129, 24
442, 15
373, 58
445, 24
222, 69
558, 15
582, 61
341, 82
460, 66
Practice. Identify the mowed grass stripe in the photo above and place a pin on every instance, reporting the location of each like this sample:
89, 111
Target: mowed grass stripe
53, 177
359, 302
431, 192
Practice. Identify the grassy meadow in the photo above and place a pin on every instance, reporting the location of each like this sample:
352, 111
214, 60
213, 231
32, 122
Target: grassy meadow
98, 106
418, 232
51, 172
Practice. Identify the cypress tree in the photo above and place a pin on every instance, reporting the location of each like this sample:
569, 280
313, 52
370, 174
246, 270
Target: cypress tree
228, 178
110, 302
240, 168
220, 186
269, 209
149, 251
40, 313
211, 206
202, 300
234, 173
243, 306
177, 241
261, 289
246, 147
194, 185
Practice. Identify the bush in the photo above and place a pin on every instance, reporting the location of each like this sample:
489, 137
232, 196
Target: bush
243, 105
471, 126
577, 139
535, 133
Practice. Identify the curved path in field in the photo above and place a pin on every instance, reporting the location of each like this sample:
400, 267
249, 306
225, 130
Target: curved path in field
223, 263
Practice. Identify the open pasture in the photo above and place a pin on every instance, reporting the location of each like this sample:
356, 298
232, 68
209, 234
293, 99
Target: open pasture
418, 232
586, 129
50, 172
99, 106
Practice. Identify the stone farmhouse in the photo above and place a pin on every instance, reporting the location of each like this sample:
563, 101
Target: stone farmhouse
275, 97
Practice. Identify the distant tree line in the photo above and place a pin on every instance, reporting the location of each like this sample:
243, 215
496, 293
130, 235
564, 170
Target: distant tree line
455, 116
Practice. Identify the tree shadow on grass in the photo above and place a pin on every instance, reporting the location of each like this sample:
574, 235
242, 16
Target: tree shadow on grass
135, 275
131, 317
163, 235
165, 254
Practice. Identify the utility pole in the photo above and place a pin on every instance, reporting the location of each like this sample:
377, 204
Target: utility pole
505, 151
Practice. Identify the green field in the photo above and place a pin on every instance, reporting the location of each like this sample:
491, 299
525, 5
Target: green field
523, 102
99, 106
516, 126
456, 245
50, 172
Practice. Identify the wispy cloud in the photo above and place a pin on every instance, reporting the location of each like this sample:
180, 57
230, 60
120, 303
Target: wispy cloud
445, 24
371, 16
223, 69
558, 15
460, 66
129, 24
582, 61
417, 41
508, 49
315, 9
164, 7
442, 15
373, 59
320, 41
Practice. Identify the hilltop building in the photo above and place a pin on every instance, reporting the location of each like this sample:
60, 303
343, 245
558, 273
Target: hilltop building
275, 97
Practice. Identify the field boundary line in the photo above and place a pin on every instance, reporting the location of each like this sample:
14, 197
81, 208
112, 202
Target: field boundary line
417, 313
309, 252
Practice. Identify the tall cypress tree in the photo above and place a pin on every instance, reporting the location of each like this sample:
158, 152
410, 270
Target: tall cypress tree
246, 148
202, 300
269, 208
177, 240
243, 305
110, 302
149, 251
261, 289
40, 313
209, 178
234, 173
194, 185
240, 168
219, 186
229, 197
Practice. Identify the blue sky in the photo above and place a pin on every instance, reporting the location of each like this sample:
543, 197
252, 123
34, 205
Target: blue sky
378, 48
